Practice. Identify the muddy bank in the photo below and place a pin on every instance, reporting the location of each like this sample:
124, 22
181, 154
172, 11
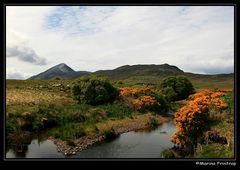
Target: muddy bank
116, 127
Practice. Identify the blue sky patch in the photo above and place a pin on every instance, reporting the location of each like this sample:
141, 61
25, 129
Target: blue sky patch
77, 19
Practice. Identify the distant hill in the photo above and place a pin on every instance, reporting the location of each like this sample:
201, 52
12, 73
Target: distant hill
59, 71
127, 71
131, 72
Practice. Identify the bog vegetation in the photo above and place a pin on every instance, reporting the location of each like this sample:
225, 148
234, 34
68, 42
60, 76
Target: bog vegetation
69, 110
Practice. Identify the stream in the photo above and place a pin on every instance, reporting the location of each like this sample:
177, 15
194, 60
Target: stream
140, 144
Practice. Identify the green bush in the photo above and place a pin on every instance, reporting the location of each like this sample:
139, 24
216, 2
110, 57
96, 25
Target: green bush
176, 88
93, 90
11, 126
164, 105
169, 93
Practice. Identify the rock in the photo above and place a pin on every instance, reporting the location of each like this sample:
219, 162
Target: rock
214, 137
65, 153
74, 153
57, 85
163, 132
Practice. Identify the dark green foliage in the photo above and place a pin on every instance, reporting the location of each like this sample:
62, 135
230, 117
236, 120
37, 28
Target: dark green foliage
117, 110
110, 134
11, 126
153, 123
229, 99
69, 131
176, 88
169, 93
164, 105
70, 142
94, 90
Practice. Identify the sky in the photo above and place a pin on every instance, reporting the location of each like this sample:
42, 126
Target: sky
197, 39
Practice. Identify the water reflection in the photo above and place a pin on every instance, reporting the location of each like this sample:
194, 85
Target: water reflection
37, 149
141, 144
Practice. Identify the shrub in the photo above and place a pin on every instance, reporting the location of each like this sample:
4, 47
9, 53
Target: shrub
176, 88
170, 94
144, 99
11, 126
193, 119
134, 91
145, 103
163, 104
94, 90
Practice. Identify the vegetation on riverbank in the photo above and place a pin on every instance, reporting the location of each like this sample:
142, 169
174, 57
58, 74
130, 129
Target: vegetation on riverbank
222, 126
206, 123
45, 106
36, 105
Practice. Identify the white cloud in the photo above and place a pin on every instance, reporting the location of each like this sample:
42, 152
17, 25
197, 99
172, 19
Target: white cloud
192, 38
13, 73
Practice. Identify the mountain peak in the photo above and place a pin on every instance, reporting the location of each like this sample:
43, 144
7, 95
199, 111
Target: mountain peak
63, 67
61, 70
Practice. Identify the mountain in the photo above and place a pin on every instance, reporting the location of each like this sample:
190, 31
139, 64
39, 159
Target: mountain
127, 71
59, 71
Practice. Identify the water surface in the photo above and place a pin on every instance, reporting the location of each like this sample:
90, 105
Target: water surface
144, 144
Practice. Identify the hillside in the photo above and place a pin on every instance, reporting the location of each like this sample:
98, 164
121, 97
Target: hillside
128, 71
140, 74
59, 71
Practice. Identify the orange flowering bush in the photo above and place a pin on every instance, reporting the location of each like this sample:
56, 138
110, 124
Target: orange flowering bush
133, 91
191, 119
145, 103
144, 99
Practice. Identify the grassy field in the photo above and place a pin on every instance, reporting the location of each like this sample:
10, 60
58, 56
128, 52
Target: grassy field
37, 105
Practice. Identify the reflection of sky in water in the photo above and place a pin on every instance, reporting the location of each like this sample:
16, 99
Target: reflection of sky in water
127, 145
134, 145
36, 149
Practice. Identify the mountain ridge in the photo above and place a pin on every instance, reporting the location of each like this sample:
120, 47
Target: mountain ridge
63, 71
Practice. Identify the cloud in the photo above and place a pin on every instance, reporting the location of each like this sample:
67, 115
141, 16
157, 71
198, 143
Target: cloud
26, 54
78, 19
194, 38
13, 73
17, 76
